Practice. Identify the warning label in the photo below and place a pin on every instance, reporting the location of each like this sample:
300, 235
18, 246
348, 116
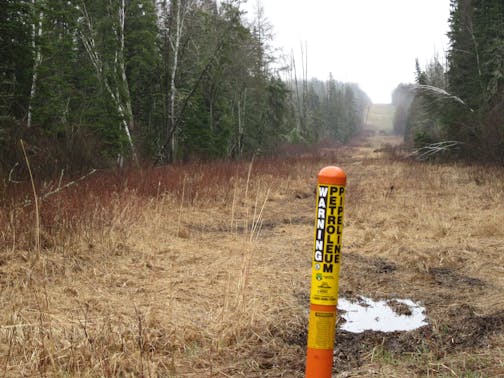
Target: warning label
327, 246
321, 328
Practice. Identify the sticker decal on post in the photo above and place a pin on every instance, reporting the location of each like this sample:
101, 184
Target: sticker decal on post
327, 244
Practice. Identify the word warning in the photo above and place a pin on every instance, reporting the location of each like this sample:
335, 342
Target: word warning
327, 246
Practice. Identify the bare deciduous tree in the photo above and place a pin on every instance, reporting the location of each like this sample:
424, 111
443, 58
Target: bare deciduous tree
114, 77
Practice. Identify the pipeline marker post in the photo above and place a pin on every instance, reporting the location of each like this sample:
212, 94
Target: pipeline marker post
325, 272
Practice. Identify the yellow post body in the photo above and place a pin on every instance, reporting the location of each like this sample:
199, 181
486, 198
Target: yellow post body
325, 271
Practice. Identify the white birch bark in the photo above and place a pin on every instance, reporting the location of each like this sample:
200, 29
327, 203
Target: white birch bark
122, 103
124, 80
181, 10
36, 34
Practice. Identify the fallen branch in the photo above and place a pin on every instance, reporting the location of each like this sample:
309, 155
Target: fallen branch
11, 173
60, 188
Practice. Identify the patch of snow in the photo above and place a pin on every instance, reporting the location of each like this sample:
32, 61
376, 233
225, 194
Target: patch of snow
367, 314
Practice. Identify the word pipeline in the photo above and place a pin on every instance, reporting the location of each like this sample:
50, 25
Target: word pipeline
329, 227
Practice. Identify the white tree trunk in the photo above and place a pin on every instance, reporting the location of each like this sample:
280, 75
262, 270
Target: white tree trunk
181, 10
124, 82
122, 103
36, 34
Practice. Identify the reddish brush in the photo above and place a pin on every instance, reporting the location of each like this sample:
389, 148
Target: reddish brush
90, 201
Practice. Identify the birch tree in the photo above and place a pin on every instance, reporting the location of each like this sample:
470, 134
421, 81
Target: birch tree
180, 9
301, 91
36, 36
174, 19
110, 65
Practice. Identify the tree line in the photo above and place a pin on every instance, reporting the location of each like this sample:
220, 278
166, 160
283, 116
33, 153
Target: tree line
94, 83
459, 104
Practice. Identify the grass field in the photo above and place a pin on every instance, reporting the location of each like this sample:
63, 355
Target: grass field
380, 118
203, 270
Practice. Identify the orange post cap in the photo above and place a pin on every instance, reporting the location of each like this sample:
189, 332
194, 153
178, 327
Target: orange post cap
332, 175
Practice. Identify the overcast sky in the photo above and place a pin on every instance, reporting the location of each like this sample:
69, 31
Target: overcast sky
371, 42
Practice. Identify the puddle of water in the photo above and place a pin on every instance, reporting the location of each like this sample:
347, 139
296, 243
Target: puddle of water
367, 314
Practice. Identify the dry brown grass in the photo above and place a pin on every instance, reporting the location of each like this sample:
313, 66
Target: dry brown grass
134, 281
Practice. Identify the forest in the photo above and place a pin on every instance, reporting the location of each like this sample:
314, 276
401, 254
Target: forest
456, 107
96, 84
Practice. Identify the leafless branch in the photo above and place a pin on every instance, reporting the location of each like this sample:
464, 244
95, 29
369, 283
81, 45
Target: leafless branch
60, 188
11, 173
426, 152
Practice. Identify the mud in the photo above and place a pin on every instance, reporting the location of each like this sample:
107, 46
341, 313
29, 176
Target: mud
459, 328
373, 264
449, 278
463, 330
